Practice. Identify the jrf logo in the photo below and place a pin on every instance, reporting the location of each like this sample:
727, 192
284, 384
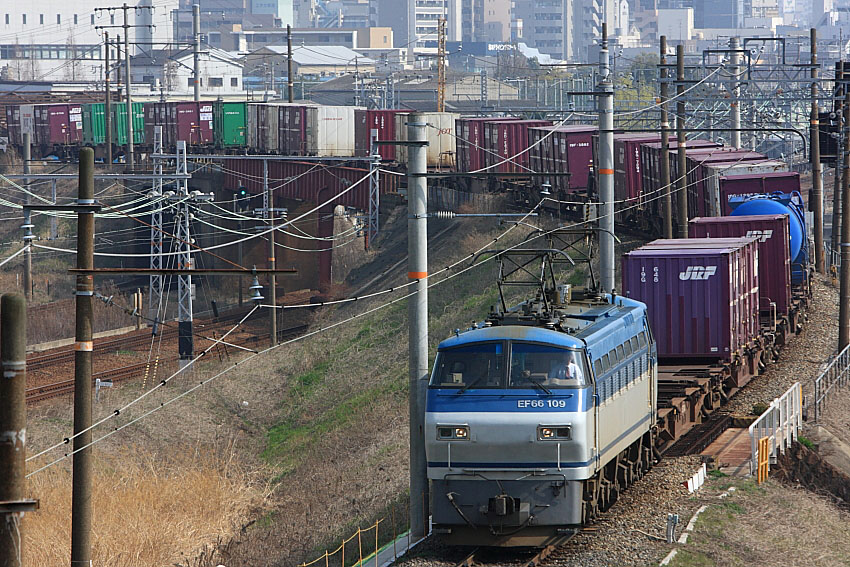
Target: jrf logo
698, 273
762, 235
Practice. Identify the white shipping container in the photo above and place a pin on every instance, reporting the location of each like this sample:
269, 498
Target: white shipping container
330, 131
715, 172
440, 134
252, 129
270, 128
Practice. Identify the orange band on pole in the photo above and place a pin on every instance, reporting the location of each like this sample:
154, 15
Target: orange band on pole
606, 171
417, 275
84, 346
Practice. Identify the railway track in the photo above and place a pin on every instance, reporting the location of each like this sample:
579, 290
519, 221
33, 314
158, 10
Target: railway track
136, 339
522, 558
131, 371
65, 387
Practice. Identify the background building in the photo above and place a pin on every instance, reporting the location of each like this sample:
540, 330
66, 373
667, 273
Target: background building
57, 40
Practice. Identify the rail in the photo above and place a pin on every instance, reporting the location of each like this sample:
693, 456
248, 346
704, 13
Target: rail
833, 377
778, 425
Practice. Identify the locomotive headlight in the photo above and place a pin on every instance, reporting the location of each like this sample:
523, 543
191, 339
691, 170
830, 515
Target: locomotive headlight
553, 432
453, 432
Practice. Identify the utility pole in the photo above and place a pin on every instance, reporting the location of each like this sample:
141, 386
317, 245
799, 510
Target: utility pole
844, 301
814, 142
417, 307
289, 85
196, 50
129, 96
268, 197
28, 225
129, 99
441, 64
735, 105
606, 167
681, 181
839, 159
81, 504
13, 428
665, 144
107, 105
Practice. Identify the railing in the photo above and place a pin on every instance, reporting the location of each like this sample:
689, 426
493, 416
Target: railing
777, 427
833, 257
377, 545
833, 377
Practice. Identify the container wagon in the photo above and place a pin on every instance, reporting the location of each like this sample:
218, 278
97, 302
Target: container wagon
563, 149
380, 121
774, 244
691, 298
440, 134
507, 144
229, 124
329, 131
756, 184
471, 145
191, 122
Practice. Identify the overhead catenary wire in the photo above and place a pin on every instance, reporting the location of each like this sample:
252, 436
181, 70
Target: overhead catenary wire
302, 337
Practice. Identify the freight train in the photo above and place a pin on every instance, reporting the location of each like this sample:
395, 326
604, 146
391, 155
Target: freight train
537, 418
484, 145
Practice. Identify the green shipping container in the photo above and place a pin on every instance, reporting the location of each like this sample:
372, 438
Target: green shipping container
94, 124
229, 124
119, 123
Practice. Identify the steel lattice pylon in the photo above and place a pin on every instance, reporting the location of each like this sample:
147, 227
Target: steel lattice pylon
156, 280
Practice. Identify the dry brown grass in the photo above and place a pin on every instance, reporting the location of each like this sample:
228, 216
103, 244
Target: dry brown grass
769, 525
56, 321
147, 512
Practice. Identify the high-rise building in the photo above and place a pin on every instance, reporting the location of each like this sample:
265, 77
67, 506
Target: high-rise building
414, 22
562, 29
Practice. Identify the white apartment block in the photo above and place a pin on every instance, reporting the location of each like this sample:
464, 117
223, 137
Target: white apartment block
58, 40
562, 29
414, 22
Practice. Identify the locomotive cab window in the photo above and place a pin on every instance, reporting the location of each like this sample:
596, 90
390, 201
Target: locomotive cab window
476, 365
536, 365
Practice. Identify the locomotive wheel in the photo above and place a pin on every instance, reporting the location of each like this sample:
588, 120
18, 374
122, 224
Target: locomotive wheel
590, 499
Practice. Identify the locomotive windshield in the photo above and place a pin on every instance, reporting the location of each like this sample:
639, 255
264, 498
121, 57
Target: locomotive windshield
532, 365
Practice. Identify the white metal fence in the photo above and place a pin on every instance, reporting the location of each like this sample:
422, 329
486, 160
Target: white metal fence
833, 377
779, 424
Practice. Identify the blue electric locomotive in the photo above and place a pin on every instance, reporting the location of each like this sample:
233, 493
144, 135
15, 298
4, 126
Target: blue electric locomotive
539, 416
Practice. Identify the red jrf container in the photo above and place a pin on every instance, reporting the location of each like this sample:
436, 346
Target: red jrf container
194, 122
563, 149
292, 122
509, 139
383, 121
628, 184
59, 124
650, 161
772, 232
190, 122
699, 172
693, 297
747, 282
471, 145
756, 184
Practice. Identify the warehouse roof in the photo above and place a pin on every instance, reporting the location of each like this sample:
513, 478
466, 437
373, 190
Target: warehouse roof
320, 54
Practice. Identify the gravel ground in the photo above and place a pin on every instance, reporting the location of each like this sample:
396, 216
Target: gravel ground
804, 355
